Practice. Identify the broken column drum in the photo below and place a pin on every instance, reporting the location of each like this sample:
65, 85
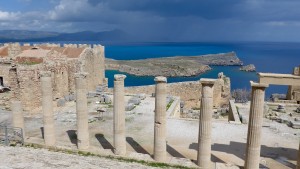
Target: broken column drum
82, 111
255, 126
205, 120
160, 119
119, 115
18, 118
47, 106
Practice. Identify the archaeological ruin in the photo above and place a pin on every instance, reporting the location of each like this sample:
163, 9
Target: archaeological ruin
65, 87
21, 66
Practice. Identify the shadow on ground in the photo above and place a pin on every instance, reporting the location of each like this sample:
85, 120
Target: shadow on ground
136, 146
279, 154
104, 142
72, 136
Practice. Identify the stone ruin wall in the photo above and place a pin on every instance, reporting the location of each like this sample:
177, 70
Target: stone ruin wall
189, 92
294, 91
24, 79
4, 71
92, 62
26, 87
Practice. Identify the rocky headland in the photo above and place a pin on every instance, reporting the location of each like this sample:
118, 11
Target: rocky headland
173, 66
248, 68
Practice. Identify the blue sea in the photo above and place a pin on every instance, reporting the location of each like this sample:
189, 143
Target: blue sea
275, 57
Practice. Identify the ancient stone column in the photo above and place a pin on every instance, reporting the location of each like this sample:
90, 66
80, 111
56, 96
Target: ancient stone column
298, 161
205, 120
160, 119
82, 111
17, 113
119, 115
47, 105
255, 126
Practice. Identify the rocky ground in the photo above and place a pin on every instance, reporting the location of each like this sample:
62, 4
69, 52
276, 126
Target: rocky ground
280, 143
173, 66
29, 158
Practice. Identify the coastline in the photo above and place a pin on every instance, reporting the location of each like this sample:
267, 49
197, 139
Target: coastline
177, 66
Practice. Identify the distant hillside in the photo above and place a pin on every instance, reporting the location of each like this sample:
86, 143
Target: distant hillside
29, 36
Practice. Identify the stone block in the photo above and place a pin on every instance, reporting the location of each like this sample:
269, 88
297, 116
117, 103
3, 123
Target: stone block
91, 94
142, 96
134, 100
99, 89
243, 120
61, 102
129, 107
67, 98
295, 124
283, 119
72, 97
107, 99
101, 99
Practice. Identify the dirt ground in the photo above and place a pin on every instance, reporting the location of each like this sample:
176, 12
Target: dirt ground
278, 151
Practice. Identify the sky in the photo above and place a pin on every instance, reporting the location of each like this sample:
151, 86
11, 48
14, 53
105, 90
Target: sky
160, 20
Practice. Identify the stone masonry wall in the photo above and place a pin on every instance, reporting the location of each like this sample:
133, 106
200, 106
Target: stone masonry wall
294, 91
189, 92
4, 72
24, 78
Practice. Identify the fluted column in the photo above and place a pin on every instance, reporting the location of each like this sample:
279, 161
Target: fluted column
17, 113
47, 105
82, 111
205, 120
298, 161
255, 126
119, 115
160, 119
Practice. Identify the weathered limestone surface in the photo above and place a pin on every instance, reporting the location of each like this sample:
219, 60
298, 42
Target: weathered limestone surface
63, 62
294, 90
298, 161
47, 105
82, 111
255, 126
18, 118
233, 115
160, 147
119, 115
205, 120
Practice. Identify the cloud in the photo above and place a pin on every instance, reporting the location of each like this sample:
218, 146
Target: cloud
8, 16
166, 20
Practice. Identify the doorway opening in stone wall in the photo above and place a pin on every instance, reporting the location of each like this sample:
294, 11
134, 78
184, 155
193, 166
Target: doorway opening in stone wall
1, 81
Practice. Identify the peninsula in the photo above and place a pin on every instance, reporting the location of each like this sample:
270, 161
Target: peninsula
183, 66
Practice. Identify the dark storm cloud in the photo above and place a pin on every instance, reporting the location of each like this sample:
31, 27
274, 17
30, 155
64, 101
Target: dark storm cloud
212, 9
168, 20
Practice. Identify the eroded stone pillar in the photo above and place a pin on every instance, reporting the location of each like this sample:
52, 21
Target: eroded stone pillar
17, 115
47, 105
255, 125
119, 115
298, 161
205, 120
160, 146
82, 111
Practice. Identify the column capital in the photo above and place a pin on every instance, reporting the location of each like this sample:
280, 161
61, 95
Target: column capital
81, 75
119, 77
207, 82
45, 73
258, 85
160, 79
